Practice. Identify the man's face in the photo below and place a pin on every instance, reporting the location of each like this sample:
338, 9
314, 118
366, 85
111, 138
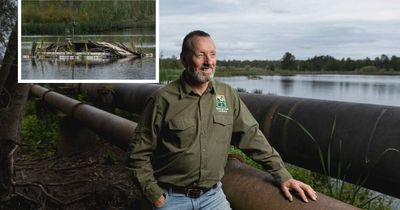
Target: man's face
201, 61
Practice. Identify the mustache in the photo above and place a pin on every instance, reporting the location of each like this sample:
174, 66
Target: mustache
205, 66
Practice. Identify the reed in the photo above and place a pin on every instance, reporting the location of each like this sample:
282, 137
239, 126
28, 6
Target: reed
339, 188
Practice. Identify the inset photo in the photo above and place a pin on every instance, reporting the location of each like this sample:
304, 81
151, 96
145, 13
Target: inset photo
71, 41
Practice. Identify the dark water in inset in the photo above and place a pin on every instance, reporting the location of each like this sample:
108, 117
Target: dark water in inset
104, 69
371, 89
122, 69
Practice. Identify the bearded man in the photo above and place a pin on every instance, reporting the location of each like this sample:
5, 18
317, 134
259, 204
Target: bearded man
183, 137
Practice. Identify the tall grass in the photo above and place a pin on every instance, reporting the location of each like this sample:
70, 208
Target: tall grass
338, 188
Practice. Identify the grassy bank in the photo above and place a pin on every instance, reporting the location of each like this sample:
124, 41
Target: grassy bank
172, 74
169, 74
83, 17
343, 191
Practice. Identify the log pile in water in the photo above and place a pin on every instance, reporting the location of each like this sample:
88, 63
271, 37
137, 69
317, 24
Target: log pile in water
85, 50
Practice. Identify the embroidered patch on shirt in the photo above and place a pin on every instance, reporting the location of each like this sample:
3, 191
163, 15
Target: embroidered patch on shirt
221, 104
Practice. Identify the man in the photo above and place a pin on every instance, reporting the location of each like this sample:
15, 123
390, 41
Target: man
185, 132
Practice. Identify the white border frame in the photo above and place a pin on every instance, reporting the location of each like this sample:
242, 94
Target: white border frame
157, 53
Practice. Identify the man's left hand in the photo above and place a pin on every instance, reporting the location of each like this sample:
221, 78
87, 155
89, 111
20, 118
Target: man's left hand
302, 189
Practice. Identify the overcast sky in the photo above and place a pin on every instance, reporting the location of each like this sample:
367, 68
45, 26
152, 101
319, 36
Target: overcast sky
266, 29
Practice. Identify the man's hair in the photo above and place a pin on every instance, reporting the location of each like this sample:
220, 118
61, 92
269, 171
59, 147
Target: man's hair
186, 45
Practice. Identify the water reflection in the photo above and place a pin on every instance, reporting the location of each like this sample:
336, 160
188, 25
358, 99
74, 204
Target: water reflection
287, 85
106, 69
353, 88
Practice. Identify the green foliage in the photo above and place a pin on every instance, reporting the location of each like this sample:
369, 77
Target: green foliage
369, 69
324, 63
168, 75
30, 107
247, 160
133, 45
62, 17
241, 90
344, 191
171, 68
253, 77
127, 115
110, 158
170, 63
38, 136
33, 49
83, 97
288, 61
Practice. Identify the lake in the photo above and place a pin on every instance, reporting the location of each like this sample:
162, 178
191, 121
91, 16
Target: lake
104, 69
371, 89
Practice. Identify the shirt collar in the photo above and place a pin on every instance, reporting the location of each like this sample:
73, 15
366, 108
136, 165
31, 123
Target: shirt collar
186, 90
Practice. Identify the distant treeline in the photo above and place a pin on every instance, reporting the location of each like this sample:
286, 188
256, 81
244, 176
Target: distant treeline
317, 64
64, 17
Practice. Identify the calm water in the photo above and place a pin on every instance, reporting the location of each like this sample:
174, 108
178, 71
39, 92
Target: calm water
106, 69
370, 89
122, 69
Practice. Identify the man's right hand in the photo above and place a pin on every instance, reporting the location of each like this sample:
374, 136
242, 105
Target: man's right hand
160, 201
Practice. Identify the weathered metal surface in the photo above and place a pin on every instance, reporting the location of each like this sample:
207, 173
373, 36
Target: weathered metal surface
362, 133
251, 189
245, 187
129, 97
116, 129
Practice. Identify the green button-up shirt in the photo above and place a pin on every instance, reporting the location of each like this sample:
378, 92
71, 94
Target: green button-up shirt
183, 138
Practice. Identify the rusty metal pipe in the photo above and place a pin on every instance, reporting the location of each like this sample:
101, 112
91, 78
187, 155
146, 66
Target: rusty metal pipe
110, 126
239, 180
250, 189
362, 133
129, 97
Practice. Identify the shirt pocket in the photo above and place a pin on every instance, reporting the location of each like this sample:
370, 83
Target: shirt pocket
182, 132
223, 128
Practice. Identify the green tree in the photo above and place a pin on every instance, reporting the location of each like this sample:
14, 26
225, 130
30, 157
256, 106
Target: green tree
288, 61
395, 63
385, 62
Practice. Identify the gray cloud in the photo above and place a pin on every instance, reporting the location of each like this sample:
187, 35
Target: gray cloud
260, 29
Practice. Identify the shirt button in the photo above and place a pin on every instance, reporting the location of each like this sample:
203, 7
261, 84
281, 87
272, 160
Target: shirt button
204, 150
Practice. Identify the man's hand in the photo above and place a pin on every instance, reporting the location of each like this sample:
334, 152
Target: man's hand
160, 201
304, 190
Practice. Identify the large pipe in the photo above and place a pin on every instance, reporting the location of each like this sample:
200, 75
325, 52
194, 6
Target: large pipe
239, 180
129, 97
361, 133
251, 189
365, 141
111, 127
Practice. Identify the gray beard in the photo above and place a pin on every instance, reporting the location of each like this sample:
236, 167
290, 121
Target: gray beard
198, 78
